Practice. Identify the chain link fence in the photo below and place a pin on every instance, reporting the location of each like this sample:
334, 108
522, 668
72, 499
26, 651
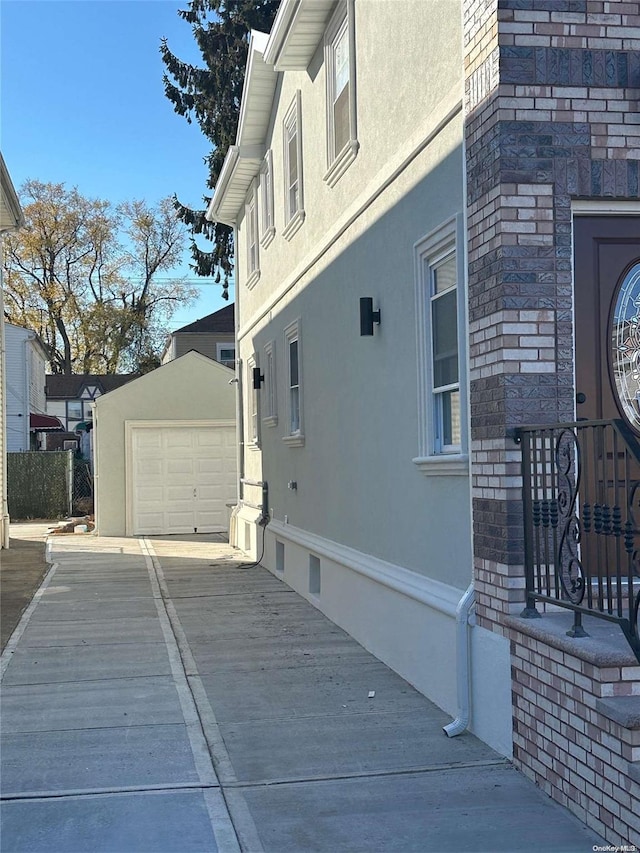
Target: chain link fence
82, 487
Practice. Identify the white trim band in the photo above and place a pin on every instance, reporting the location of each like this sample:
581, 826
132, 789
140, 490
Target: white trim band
434, 594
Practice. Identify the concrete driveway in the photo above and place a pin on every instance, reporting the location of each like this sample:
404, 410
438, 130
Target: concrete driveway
160, 698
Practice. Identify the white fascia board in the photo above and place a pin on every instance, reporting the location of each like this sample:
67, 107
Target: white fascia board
280, 30
10, 202
297, 30
255, 58
214, 213
233, 181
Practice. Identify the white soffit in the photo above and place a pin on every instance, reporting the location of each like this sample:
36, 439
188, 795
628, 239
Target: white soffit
10, 211
244, 159
296, 32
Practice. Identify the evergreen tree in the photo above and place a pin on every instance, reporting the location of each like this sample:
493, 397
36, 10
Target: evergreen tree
212, 94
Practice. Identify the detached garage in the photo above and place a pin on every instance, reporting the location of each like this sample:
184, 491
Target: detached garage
165, 451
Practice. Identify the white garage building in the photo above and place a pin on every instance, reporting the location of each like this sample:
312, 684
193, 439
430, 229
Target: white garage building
165, 451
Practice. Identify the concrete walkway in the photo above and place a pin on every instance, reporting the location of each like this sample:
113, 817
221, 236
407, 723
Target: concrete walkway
160, 698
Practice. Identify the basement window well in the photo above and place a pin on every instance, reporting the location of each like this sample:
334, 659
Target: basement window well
314, 575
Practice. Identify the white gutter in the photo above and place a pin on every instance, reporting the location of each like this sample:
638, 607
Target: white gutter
463, 614
280, 30
226, 172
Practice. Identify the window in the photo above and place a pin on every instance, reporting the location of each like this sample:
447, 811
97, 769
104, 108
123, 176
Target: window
295, 434
267, 221
251, 220
271, 407
294, 204
440, 317
444, 349
74, 410
253, 398
342, 144
226, 354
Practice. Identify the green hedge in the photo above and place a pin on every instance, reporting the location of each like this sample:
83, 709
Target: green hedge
39, 484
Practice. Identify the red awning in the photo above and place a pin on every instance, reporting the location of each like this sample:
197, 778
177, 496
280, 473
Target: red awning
44, 423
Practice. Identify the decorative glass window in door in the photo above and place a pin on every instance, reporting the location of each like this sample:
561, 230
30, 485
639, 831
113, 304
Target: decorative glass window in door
624, 353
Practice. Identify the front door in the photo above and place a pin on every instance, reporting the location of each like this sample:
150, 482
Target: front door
607, 318
607, 336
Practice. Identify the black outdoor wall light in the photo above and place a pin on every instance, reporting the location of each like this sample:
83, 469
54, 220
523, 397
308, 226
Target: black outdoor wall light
368, 316
258, 378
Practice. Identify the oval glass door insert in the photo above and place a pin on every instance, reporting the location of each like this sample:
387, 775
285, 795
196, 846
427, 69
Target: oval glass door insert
624, 352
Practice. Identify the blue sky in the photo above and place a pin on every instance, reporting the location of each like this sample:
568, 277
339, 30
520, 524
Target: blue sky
82, 102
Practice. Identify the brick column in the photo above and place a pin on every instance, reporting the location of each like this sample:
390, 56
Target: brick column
552, 89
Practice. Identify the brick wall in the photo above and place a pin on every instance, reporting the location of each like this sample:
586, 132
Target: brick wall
552, 93
570, 749
552, 101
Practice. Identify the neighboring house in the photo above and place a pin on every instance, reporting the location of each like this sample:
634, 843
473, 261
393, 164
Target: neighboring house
11, 218
453, 202
165, 452
70, 398
26, 359
213, 336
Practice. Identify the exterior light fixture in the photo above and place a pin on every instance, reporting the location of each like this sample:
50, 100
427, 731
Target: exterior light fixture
368, 316
258, 378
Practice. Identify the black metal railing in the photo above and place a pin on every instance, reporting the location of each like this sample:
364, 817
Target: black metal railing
581, 499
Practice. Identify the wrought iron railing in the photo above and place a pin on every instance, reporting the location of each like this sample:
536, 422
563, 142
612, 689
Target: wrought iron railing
581, 499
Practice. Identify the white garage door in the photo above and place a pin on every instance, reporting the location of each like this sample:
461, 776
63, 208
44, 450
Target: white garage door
182, 478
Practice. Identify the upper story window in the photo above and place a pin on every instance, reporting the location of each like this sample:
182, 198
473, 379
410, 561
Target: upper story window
342, 144
251, 220
295, 434
294, 196
267, 220
440, 317
271, 401
226, 354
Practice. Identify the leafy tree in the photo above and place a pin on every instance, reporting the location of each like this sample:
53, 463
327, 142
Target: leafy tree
212, 94
84, 275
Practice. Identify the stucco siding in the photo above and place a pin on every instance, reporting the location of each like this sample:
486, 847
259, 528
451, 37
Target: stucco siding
190, 388
393, 120
360, 394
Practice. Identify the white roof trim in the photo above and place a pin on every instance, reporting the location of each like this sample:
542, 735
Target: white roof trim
296, 32
243, 159
11, 216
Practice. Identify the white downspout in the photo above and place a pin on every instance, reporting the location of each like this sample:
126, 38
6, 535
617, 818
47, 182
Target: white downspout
463, 616
463, 611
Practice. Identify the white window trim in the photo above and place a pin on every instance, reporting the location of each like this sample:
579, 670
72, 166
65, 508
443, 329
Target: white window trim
267, 232
251, 219
253, 399
221, 346
427, 251
293, 221
292, 333
271, 387
339, 161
